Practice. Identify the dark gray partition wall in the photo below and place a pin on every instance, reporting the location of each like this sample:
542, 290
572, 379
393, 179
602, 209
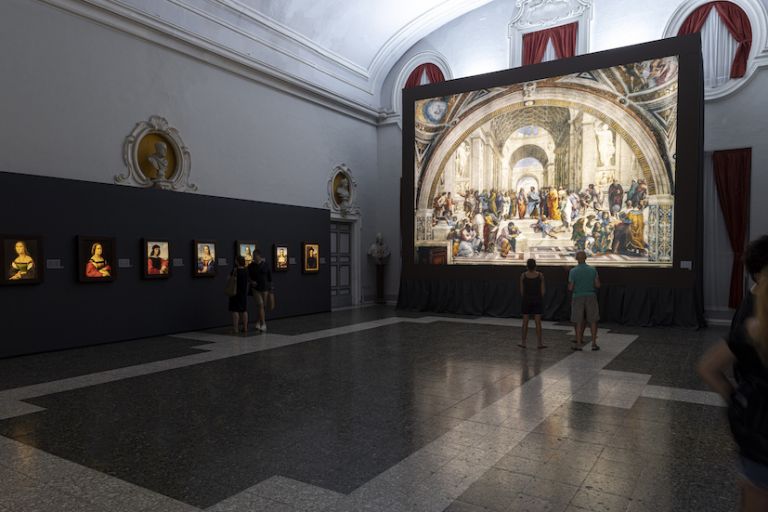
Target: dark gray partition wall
62, 313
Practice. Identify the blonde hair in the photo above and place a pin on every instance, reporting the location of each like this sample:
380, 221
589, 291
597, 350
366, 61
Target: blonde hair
759, 332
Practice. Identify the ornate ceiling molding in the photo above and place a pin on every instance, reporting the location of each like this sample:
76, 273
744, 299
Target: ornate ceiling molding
538, 14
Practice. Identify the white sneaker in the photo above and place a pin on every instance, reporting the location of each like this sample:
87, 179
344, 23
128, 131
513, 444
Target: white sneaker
263, 327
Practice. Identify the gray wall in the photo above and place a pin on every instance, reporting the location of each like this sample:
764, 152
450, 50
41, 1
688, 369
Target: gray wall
72, 90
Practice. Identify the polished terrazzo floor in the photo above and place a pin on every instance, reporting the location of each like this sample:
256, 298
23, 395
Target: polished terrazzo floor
367, 409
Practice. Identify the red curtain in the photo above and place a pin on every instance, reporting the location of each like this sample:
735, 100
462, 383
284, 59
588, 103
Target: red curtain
534, 46
733, 169
695, 21
738, 26
434, 75
563, 40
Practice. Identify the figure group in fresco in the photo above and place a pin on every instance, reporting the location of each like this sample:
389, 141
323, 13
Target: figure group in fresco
483, 222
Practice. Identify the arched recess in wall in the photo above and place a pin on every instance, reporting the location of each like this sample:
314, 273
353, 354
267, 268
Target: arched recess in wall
425, 57
758, 57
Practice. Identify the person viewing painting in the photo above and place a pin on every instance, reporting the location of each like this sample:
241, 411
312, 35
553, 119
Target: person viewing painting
260, 278
23, 265
238, 303
583, 283
745, 355
532, 290
97, 266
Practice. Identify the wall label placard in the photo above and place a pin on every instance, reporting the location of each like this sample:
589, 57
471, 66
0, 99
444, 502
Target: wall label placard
178, 262
124, 263
53, 264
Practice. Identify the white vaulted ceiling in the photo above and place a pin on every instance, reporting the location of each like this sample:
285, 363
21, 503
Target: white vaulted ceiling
356, 30
339, 50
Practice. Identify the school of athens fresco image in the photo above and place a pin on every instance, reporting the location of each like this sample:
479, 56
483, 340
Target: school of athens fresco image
547, 168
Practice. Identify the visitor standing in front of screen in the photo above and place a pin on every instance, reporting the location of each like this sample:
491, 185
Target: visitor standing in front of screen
532, 289
583, 282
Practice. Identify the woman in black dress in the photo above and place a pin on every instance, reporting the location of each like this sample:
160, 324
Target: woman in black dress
238, 303
532, 290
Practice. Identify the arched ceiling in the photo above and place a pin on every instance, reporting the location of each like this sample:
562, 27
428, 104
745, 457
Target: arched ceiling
339, 50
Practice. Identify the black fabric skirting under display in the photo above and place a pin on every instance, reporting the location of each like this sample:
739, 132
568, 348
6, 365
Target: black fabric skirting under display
635, 305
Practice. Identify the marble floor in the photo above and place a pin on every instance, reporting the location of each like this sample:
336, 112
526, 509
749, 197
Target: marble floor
369, 409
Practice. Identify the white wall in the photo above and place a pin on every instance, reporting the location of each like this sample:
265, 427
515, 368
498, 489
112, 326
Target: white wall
478, 43
72, 90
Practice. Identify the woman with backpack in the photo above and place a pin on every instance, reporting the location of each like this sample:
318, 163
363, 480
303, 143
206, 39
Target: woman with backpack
748, 401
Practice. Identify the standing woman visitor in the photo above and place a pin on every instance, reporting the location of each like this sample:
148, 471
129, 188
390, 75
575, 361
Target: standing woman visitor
532, 289
238, 303
746, 351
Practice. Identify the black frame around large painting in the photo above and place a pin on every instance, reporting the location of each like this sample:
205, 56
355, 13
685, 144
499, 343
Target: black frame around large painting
687, 228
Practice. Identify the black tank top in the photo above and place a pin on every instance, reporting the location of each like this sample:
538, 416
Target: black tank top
532, 287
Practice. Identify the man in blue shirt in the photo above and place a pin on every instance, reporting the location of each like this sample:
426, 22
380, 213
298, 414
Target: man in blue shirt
583, 282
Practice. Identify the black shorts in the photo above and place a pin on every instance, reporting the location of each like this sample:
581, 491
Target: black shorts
532, 307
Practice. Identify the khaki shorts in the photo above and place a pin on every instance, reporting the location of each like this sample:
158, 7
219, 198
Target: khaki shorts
260, 298
586, 306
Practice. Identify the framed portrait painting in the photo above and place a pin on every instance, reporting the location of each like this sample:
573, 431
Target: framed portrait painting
204, 258
280, 257
96, 259
22, 259
246, 248
157, 258
310, 257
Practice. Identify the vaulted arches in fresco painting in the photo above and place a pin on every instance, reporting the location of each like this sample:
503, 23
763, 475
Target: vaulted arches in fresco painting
601, 136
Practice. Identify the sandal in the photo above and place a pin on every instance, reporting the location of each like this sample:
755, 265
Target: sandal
595, 347
522, 345
576, 347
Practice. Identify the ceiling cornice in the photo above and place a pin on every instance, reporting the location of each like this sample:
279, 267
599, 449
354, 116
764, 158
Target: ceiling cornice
231, 30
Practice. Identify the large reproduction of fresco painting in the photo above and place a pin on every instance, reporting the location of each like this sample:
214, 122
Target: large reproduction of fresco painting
547, 168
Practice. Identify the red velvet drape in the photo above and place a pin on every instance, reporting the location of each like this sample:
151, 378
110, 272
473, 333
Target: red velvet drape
563, 40
733, 169
738, 26
695, 21
434, 75
534, 46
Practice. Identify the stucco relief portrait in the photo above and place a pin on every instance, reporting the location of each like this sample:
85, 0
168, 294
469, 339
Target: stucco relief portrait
155, 157
342, 189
